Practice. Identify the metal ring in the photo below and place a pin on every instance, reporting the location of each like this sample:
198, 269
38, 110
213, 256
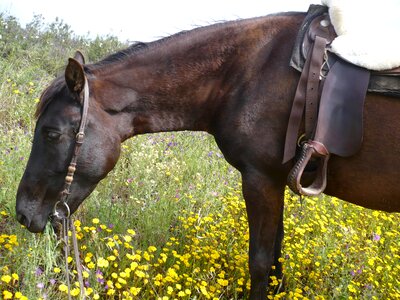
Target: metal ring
59, 214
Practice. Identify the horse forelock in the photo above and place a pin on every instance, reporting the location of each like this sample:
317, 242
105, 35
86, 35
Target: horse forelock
49, 94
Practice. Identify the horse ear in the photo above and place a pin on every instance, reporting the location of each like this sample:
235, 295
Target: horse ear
75, 76
79, 57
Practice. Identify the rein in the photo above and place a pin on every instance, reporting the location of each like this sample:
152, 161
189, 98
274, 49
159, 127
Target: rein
61, 209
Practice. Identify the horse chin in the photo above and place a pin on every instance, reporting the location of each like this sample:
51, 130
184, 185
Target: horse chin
37, 226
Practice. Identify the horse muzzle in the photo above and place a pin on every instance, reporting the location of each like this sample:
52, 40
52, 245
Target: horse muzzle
32, 213
33, 224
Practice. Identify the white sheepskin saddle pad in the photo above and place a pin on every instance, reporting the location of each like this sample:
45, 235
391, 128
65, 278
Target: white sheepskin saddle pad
368, 32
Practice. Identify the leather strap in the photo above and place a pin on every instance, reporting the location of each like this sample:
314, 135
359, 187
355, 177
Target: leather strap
296, 114
78, 142
313, 82
307, 88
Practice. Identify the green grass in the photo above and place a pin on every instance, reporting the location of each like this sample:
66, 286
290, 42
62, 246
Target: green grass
158, 176
169, 220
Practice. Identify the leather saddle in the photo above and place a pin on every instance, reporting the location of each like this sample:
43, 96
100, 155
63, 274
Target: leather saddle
327, 112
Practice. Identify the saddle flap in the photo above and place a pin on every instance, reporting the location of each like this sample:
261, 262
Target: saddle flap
340, 118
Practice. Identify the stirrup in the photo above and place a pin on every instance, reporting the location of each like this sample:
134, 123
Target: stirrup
311, 149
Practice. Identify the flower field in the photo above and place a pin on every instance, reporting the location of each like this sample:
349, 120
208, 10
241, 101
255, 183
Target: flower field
332, 250
169, 221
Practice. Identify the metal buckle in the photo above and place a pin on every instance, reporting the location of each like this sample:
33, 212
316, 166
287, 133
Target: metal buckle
323, 73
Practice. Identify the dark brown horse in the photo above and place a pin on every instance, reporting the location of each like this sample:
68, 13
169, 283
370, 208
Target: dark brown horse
232, 80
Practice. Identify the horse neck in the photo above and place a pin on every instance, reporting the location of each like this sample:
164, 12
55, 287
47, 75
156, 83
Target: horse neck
179, 83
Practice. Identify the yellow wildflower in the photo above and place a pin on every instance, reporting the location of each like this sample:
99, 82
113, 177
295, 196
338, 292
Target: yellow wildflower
131, 231
6, 278
152, 249
88, 291
75, 292
91, 265
222, 282
181, 294
135, 290
7, 295
63, 288
140, 274
102, 263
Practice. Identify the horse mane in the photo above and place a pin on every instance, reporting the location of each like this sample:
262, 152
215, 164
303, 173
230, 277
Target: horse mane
122, 54
58, 84
135, 48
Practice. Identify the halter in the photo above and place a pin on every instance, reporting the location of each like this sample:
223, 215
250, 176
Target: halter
61, 209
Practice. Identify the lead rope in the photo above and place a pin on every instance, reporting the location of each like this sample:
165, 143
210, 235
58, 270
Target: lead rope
65, 224
65, 216
78, 261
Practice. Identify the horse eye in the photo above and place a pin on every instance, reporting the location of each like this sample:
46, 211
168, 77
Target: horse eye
52, 135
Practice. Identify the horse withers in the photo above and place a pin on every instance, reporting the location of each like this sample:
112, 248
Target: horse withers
231, 80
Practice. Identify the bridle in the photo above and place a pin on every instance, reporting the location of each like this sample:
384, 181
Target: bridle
69, 178
61, 210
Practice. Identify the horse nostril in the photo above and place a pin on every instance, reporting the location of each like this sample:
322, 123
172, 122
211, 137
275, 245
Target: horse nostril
23, 220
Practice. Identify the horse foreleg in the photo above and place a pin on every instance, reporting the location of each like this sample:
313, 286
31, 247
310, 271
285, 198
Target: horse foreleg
264, 204
277, 267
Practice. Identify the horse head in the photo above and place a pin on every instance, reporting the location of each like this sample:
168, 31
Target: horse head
59, 115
